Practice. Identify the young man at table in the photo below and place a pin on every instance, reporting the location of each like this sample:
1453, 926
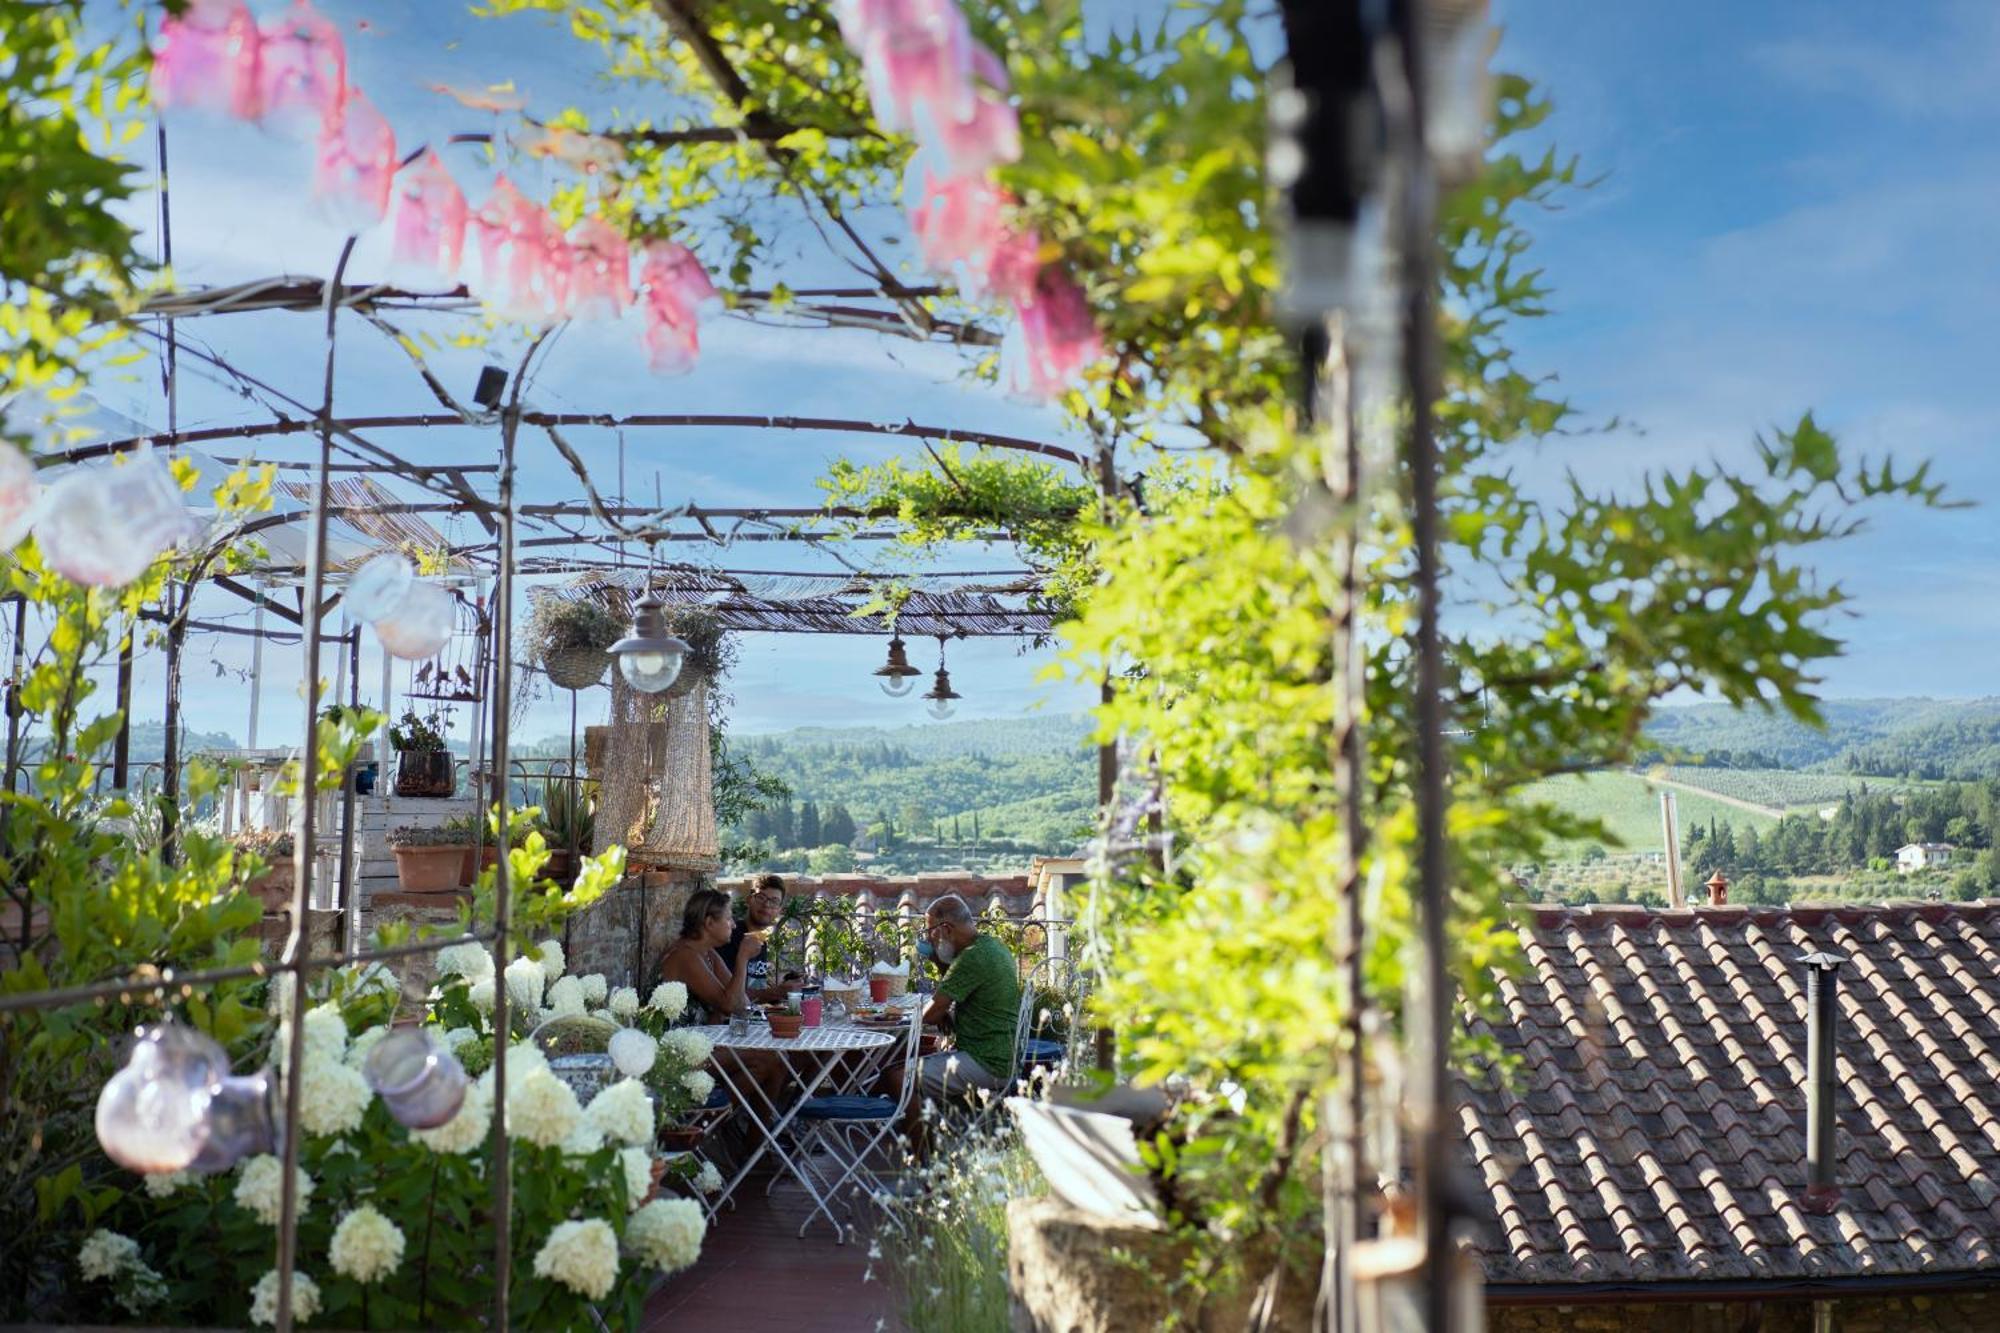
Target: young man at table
980, 996
764, 909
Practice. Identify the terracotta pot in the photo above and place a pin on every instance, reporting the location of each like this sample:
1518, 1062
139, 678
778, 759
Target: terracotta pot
429, 869
486, 856
273, 888
560, 867
425, 773
787, 1025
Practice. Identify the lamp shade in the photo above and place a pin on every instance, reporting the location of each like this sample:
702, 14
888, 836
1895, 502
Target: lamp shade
896, 676
649, 657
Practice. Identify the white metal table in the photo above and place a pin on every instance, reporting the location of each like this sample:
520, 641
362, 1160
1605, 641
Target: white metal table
813, 1057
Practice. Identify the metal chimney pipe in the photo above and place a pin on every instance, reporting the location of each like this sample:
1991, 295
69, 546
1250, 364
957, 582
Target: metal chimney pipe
1822, 1010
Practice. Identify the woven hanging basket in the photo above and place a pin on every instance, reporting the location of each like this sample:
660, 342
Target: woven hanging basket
576, 668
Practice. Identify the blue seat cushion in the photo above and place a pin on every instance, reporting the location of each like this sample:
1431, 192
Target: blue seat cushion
847, 1107
1040, 1051
717, 1099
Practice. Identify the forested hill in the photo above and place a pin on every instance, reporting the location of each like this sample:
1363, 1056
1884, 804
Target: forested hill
1903, 738
975, 792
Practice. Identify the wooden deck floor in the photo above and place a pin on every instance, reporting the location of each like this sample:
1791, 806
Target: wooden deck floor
756, 1275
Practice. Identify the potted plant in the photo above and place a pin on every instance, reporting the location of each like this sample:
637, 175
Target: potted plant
787, 1022
272, 885
424, 767
572, 639
428, 859
569, 818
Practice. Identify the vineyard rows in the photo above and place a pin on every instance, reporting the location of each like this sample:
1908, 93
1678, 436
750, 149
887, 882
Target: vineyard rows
1779, 788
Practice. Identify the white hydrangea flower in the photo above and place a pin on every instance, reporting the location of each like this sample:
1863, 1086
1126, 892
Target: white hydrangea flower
326, 1032
357, 1050
162, 1185
584, 1140
638, 1164
595, 987
470, 961
583, 1256
261, 1180
458, 1037
624, 1002
692, 1048
551, 954
708, 1180
264, 1298
541, 1108
521, 1058
105, 1254
667, 1233
366, 1246
465, 1131
480, 993
525, 979
632, 1051
333, 1098
623, 1111
700, 1083
566, 998
669, 998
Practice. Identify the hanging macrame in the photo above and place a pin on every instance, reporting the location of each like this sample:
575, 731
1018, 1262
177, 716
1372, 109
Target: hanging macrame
626, 765
682, 831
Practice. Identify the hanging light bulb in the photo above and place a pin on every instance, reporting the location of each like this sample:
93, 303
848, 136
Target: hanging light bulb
898, 677
649, 657
941, 694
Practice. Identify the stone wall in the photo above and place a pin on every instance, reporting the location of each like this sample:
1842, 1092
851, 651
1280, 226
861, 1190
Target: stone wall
1958, 1312
605, 937
909, 893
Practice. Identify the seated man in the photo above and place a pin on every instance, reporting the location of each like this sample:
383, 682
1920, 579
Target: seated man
763, 910
980, 993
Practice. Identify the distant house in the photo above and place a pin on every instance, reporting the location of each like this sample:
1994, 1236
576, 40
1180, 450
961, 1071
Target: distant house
1643, 1143
1915, 856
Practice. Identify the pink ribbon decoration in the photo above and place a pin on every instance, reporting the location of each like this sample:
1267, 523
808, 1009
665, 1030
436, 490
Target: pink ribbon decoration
600, 278
104, 527
429, 238
513, 254
356, 166
1057, 338
676, 289
207, 59
301, 70
919, 65
1013, 269
958, 222
20, 490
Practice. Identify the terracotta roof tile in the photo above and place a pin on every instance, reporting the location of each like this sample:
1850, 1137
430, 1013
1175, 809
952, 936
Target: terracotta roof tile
1655, 1125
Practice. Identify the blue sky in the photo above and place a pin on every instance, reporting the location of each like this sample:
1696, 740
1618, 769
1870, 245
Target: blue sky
1793, 214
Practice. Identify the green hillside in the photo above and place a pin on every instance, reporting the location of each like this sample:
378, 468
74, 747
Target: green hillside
1916, 738
1629, 805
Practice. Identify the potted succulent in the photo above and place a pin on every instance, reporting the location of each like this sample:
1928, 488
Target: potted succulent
569, 818
788, 1021
428, 859
424, 767
272, 885
572, 639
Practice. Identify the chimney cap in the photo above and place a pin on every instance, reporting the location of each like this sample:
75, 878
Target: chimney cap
1718, 889
1821, 959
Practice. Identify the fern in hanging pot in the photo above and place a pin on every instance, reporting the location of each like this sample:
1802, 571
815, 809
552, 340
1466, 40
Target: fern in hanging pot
572, 640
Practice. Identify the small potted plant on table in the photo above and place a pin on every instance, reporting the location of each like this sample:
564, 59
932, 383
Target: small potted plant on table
572, 640
428, 860
424, 767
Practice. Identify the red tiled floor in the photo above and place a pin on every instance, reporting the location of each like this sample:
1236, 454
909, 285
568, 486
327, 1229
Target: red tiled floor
756, 1275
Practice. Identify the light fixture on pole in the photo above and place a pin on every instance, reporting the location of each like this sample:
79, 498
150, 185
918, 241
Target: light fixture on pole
898, 677
649, 657
941, 694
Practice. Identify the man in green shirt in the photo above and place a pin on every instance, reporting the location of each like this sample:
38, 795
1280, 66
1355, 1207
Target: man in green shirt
981, 993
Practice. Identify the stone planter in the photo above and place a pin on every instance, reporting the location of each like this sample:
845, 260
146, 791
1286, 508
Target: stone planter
425, 773
429, 869
273, 888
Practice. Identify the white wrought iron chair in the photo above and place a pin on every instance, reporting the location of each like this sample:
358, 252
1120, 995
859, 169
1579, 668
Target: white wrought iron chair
850, 1128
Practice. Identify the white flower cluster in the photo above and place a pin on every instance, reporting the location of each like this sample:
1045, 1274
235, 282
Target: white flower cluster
521, 1058
623, 1111
470, 961
464, 1131
161, 1185
357, 1050
333, 1098
700, 1083
633, 1051
583, 1256
638, 1164
260, 1182
525, 979
541, 1108
669, 998
595, 987
480, 993
708, 1180
584, 1140
366, 1246
551, 954
264, 1298
667, 1233
624, 1002
689, 1046
107, 1256
566, 998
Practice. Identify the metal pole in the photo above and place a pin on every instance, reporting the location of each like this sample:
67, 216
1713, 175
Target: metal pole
348, 901
170, 772
304, 855
256, 670
121, 750
19, 669
503, 654
1432, 1031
